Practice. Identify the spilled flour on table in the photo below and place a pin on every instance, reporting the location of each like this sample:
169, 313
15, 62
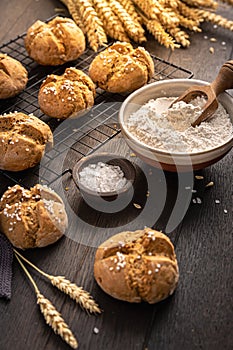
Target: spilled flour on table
169, 129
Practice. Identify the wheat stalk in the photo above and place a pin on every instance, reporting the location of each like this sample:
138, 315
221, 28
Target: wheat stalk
229, 2
111, 22
202, 3
123, 20
76, 293
132, 28
156, 29
51, 315
180, 36
148, 7
74, 11
92, 24
216, 19
129, 7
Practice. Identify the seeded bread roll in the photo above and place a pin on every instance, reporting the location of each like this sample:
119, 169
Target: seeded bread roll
68, 95
56, 42
32, 218
23, 140
121, 68
137, 266
13, 77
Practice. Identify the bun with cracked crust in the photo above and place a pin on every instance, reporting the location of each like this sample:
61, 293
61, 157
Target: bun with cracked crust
121, 68
67, 95
13, 77
56, 42
33, 217
24, 139
137, 266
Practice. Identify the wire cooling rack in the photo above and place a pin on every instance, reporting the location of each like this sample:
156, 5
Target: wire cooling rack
81, 136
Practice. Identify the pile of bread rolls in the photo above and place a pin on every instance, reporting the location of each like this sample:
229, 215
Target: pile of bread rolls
131, 266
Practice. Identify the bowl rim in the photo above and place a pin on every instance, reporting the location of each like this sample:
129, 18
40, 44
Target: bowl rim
180, 81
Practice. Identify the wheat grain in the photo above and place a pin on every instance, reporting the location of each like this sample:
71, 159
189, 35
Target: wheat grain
55, 321
77, 293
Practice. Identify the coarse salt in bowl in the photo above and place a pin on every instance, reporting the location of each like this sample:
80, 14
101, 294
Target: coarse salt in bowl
105, 177
176, 158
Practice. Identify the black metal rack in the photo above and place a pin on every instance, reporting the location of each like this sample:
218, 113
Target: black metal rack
83, 135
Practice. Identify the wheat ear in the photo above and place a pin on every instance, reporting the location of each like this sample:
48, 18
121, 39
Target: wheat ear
216, 19
51, 315
82, 297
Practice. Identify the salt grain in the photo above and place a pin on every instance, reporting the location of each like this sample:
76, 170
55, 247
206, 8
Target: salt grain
96, 330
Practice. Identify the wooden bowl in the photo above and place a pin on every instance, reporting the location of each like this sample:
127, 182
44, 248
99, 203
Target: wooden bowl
119, 195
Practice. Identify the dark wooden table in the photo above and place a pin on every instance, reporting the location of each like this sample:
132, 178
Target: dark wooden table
199, 315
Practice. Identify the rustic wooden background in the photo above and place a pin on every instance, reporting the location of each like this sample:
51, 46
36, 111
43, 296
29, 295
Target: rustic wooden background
199, 315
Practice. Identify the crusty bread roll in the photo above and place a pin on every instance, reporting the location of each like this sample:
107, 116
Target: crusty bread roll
137, 266
121, 68
13, 76
56, 42
67, 95
32, 218
24, 139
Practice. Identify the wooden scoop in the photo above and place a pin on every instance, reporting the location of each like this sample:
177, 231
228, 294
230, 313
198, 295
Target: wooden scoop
222, 82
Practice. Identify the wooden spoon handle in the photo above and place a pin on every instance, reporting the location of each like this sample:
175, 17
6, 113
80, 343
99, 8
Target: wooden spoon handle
224, 79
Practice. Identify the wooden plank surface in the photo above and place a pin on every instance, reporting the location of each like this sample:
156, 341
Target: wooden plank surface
199, 315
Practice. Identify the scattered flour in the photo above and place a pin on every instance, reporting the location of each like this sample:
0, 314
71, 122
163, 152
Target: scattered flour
169, 129
102, 177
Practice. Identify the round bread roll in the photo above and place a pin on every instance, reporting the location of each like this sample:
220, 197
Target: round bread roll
24, 139
67, 95
137, 266
32, 218
13, 77
121, 68
56, 42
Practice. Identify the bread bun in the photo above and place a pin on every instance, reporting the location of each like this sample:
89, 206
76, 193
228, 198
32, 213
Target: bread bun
67, 95
32, 218
137, 266
13, 77
121, 68
56, 42
24, 139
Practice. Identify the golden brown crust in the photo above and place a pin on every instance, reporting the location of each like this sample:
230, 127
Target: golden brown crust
55, 42
13, 77
121, 68
32, 218
24, 139
66, 95
137, 266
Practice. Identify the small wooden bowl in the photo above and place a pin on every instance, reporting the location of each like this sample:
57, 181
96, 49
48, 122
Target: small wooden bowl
109, 158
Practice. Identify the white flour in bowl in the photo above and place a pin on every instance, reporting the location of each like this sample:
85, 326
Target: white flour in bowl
156, 125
